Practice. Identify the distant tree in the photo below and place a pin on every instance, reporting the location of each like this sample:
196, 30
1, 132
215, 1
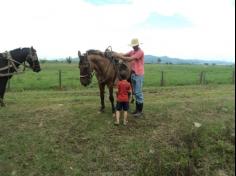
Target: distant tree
206, 64
213, 64
43, 61
159, 60
68, 60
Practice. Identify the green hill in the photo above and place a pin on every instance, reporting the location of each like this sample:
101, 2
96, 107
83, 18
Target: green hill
166, 59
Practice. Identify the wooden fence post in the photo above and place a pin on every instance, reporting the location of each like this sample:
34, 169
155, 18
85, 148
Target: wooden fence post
162, 78
60, 82
202, 78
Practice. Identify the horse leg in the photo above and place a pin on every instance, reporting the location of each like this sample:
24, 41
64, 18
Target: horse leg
111, 98
2, 104
3, 83
102, 91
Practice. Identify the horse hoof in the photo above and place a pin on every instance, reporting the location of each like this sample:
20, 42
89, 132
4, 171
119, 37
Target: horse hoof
101, 110
3, 105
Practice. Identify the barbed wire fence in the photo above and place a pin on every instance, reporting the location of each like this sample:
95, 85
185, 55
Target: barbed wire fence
164, 80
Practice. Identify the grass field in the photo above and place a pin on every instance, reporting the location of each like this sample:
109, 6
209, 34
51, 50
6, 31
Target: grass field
62, 133
45, 131
174, 75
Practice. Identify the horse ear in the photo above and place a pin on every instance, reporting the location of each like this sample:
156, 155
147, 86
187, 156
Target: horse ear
32, 49
79, 53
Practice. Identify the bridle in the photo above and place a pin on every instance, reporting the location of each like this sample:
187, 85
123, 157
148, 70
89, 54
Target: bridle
31, 57
91, 73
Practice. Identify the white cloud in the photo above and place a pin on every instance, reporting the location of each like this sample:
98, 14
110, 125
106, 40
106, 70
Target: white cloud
58, 28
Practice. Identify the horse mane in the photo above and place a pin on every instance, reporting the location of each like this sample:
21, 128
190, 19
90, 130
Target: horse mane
16, 50
96, 52
20, 50
106, 54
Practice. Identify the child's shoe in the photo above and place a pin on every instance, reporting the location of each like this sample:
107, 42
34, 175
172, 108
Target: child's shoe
116, 123
125, 122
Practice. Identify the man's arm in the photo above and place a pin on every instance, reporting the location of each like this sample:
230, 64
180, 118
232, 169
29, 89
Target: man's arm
123, 57
127, 58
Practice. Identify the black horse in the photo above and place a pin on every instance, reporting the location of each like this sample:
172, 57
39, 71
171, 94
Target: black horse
10, 62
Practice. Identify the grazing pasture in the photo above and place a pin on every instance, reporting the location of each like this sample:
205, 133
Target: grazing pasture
186, 130
174, 75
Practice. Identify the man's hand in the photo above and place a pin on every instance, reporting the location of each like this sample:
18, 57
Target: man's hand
122, 57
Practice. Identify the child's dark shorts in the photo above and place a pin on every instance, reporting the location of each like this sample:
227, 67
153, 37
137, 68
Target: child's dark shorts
122, 106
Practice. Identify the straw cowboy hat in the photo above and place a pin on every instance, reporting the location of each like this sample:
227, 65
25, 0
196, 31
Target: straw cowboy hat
134, 42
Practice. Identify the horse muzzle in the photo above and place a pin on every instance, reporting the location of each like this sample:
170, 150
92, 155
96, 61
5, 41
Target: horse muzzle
37, 70
85, 82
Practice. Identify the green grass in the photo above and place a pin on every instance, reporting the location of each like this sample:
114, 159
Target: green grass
174, 75
48, 132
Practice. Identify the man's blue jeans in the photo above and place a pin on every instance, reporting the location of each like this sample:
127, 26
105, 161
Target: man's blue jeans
137, 83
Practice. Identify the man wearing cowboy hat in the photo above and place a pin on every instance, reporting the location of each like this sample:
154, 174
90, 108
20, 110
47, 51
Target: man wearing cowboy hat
136, 57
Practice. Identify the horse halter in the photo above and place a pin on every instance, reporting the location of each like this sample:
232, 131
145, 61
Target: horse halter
32, 57
87, 64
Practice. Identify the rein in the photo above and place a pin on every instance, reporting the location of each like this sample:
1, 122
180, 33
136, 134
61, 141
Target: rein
11, 64
89, 75
108, 54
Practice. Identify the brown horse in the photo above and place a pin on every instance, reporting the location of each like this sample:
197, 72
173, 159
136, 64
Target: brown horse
106, 69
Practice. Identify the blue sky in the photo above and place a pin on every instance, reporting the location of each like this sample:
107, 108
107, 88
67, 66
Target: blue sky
187, 29
161, 21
